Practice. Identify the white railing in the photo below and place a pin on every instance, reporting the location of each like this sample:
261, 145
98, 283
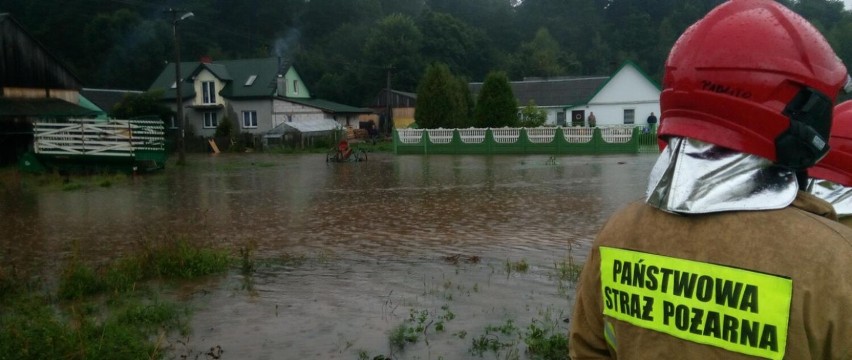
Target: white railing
617, 134
472, 135
410, 136
506, 135
541, 135
440, 136
98, 137
578, 135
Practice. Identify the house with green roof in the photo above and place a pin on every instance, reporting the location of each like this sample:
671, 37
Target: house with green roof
625, 98
265, 97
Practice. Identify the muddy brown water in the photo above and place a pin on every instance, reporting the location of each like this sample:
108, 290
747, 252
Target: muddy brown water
345, 252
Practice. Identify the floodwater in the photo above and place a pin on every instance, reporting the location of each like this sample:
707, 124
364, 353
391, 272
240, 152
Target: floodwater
347, 252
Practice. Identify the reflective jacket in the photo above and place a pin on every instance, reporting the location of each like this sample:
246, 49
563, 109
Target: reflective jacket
696, 287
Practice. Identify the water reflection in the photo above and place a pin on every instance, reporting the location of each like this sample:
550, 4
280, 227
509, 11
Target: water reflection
371, 235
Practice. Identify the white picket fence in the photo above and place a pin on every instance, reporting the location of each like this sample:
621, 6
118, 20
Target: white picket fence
119, 138
506, 135
410, 136
578, 135
440, 136
543, 135
472, 135
617, 134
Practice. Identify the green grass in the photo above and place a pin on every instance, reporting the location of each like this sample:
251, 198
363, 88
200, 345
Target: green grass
517, 266
544, 339
10, 176
35, 328
418, 324
103, 312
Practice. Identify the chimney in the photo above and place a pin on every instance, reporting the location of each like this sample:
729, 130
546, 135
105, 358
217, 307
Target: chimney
281, 86
206, 59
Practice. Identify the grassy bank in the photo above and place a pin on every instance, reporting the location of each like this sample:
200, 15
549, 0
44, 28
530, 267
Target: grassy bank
107, 312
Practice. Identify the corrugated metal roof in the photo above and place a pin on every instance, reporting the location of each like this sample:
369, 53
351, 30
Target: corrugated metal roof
220, 71
26, 63
570, 91
309, 126
329, 106
106, 99
235, 73
44, 107
304, 126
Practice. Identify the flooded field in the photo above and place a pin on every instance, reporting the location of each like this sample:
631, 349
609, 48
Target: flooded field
349, 257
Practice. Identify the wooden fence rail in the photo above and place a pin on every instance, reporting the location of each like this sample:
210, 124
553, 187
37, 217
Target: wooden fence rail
91, 143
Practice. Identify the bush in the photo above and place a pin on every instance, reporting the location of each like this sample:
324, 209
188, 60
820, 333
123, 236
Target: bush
79, 280
225, 128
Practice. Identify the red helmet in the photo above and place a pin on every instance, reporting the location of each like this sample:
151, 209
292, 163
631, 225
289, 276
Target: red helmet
755, 77
837, 165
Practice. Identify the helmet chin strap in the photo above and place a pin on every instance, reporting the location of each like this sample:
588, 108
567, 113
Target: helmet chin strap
805, 141
803, 179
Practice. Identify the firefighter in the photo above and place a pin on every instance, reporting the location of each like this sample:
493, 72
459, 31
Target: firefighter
343, 150
725, 258
831, 178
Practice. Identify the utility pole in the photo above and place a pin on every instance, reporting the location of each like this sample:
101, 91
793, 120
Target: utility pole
179, 84
389, 110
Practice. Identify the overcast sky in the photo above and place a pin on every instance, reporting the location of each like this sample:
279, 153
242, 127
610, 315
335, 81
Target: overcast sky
848, 4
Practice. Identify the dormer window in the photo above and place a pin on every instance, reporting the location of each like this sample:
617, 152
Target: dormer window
295, 86
251, 80
208, 92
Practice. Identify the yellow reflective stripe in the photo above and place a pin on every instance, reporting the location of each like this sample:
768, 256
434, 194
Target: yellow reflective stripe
735, 309
609, 335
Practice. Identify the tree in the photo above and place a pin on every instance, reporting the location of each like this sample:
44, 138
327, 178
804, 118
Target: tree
395, 42
440, 101
334, 69
532, 116
343, 48
325, 16
120, 41
465, 49
142, 105
542, 57
468, 103
496, 105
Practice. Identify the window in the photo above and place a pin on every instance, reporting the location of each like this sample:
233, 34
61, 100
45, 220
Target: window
173, 124
629, 116
174, 85
210, 120
251, 80
208, 91
249, 119
295, 86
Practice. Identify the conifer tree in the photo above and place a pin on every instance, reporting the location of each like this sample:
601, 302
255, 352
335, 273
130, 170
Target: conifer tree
440, 102
496, 105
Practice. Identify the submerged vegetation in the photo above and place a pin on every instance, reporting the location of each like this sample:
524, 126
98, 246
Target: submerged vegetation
11, 176
101, 312
113, 310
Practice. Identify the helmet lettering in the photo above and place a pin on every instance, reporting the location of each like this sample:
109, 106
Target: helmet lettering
725, 89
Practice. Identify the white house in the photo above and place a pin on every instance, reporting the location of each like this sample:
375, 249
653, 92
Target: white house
627, 97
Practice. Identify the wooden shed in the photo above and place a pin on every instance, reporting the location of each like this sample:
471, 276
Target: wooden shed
34, 84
